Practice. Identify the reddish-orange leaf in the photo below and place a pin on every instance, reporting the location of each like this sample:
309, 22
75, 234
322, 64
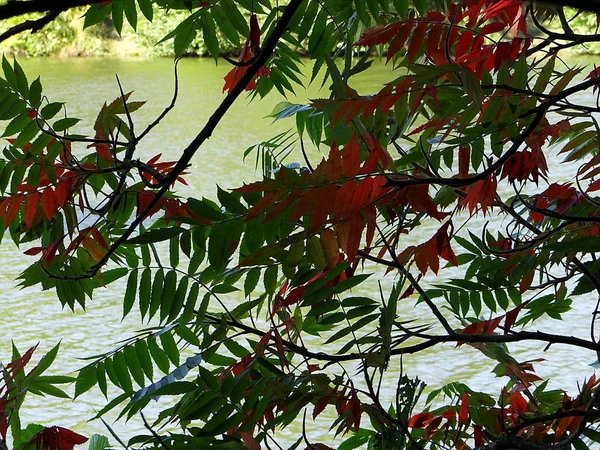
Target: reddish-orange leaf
351, 158
379, 34
249, 442
518, 402
320, 406
463, 413
420, 420
340, 403
17, 365
263, 204
361, 199
280, 207
464, 161
13, 208
58, 438
48, 202
416, 41
34, 251
254, 32
464, 43
357, 225
63, 191
31, 207
511, 316
329, 244
482, 193
343, 200
95, 250
333, 170
304, 204
323, 206
99, 238
371, 214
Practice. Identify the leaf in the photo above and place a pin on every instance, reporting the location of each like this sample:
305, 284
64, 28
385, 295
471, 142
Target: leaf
351, 158
58, 438
130, 292
98, 442
31, 208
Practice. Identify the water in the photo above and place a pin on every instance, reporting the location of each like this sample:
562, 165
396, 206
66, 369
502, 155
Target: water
33, 317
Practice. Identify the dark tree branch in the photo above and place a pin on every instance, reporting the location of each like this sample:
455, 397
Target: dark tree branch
18, 8
33, 25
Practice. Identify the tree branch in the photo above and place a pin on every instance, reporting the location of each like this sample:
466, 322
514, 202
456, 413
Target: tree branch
33, 25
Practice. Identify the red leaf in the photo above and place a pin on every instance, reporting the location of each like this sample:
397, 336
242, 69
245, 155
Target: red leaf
463, 413
464, 43
17, 365
351, 158
482, 193
416, 41
464, 161
340, 403
320, 406
333, 170
249, 442
31, 207
419, 420
379, 34
62, 191
398, 43
48, 202
343, 200
58, 438
236, 74
13, 209
34, 251
478, 435
254, 32
323, 206
263, 204
99, 238
511, 316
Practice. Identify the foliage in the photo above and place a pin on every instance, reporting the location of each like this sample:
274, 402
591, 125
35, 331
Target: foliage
473, 124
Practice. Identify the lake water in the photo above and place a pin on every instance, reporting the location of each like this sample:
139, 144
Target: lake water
32, 317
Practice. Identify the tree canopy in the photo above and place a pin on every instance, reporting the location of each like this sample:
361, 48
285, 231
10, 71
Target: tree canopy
465, 185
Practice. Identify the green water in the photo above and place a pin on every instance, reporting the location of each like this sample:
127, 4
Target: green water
32, 317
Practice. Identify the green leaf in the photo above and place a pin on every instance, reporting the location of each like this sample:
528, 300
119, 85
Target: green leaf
206, 209
98, 442
64, 124
146, 8
209, 33
145, 291
143, 356
35, 92
158, 355
120, 367
134, 365
130, 292
157, 235
86, 378
167, 294
231, 202
170, 347
117, 15
157, 293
